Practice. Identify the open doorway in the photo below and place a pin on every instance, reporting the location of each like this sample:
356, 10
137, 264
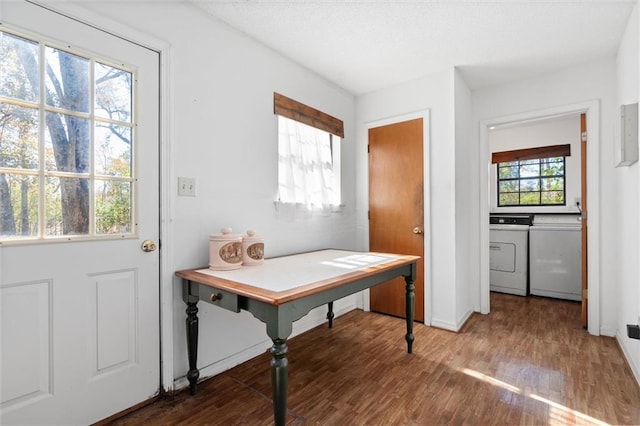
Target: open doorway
573, 202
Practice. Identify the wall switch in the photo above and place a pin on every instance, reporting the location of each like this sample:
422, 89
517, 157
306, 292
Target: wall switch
187, 187
633, 331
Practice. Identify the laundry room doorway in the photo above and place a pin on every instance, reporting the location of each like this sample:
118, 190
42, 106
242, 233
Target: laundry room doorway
584, 173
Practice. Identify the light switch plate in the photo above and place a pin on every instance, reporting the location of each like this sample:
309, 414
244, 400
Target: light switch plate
186, 187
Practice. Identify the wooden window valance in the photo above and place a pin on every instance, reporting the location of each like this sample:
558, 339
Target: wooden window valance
302, 113
531, 153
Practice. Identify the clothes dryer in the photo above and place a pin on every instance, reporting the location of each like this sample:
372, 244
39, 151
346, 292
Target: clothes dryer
508, 253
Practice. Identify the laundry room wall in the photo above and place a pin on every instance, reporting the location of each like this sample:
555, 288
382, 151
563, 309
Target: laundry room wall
552, 131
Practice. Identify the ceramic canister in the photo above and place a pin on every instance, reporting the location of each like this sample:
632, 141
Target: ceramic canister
225, 250
252, 249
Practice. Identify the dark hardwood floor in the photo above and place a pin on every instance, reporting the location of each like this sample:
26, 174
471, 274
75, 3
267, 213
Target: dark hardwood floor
528, 362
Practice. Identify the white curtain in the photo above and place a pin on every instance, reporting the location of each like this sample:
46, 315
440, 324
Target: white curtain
305, 168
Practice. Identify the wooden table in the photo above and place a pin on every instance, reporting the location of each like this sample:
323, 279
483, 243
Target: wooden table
283, 290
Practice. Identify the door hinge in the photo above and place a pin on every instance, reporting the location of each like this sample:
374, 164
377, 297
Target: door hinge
369, 215
368, 148
583, 137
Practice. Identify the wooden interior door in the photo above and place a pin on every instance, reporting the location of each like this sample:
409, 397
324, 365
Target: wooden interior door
583, 195
396, 208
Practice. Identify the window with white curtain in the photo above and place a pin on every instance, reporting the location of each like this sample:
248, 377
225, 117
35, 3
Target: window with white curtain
309, 165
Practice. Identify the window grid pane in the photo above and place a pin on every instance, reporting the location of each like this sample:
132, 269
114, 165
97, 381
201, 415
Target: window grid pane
537, 182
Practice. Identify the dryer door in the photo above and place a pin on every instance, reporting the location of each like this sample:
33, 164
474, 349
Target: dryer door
502, 257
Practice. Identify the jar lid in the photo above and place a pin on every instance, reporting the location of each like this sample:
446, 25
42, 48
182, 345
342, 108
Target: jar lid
224, 235
251, 236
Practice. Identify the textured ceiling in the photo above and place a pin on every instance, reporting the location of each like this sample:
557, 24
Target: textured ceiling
366, 45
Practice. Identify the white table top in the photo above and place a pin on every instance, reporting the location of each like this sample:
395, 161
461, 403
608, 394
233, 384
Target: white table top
288, 272
283, 278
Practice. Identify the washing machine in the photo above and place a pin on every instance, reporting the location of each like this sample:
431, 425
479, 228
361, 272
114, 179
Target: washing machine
508, 253
555, 244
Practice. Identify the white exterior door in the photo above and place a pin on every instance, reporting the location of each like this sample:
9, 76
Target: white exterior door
79, 323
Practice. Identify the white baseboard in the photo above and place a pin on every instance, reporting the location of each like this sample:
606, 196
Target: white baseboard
451, 326
464, 319
446, 325
625, 351
315, 318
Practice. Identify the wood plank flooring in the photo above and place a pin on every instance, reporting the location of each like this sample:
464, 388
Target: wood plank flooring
528, 362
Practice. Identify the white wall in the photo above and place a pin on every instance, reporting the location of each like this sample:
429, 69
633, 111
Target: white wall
435, 94
224, 134
593, 81
553, 131
627, 193
467, 217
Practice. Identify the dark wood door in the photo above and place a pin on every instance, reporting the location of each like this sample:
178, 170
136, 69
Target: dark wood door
396, 208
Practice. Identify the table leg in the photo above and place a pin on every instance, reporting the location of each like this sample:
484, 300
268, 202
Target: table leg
330, 314
409, 310
279, 370
192, 345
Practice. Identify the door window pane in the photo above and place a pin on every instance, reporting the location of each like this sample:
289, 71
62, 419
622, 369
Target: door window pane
113, 150
67, 205
113, 93
67, 141
67, 80
18, 205
19, 74
113, 207
18, 137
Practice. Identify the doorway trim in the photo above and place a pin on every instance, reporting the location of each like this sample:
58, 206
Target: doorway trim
165, 211
426, 172
592, 109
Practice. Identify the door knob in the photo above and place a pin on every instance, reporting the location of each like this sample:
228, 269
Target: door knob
418, 230
148, 246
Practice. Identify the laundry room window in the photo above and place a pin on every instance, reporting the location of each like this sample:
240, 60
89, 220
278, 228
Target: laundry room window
532, 182
67, 135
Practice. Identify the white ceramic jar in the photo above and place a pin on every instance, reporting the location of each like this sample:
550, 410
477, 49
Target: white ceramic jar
252, 249
225, 250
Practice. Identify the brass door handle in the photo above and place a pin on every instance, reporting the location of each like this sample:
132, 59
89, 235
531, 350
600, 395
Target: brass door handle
148, 246
418, 230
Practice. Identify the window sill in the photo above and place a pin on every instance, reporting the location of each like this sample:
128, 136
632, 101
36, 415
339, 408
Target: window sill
286, 208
